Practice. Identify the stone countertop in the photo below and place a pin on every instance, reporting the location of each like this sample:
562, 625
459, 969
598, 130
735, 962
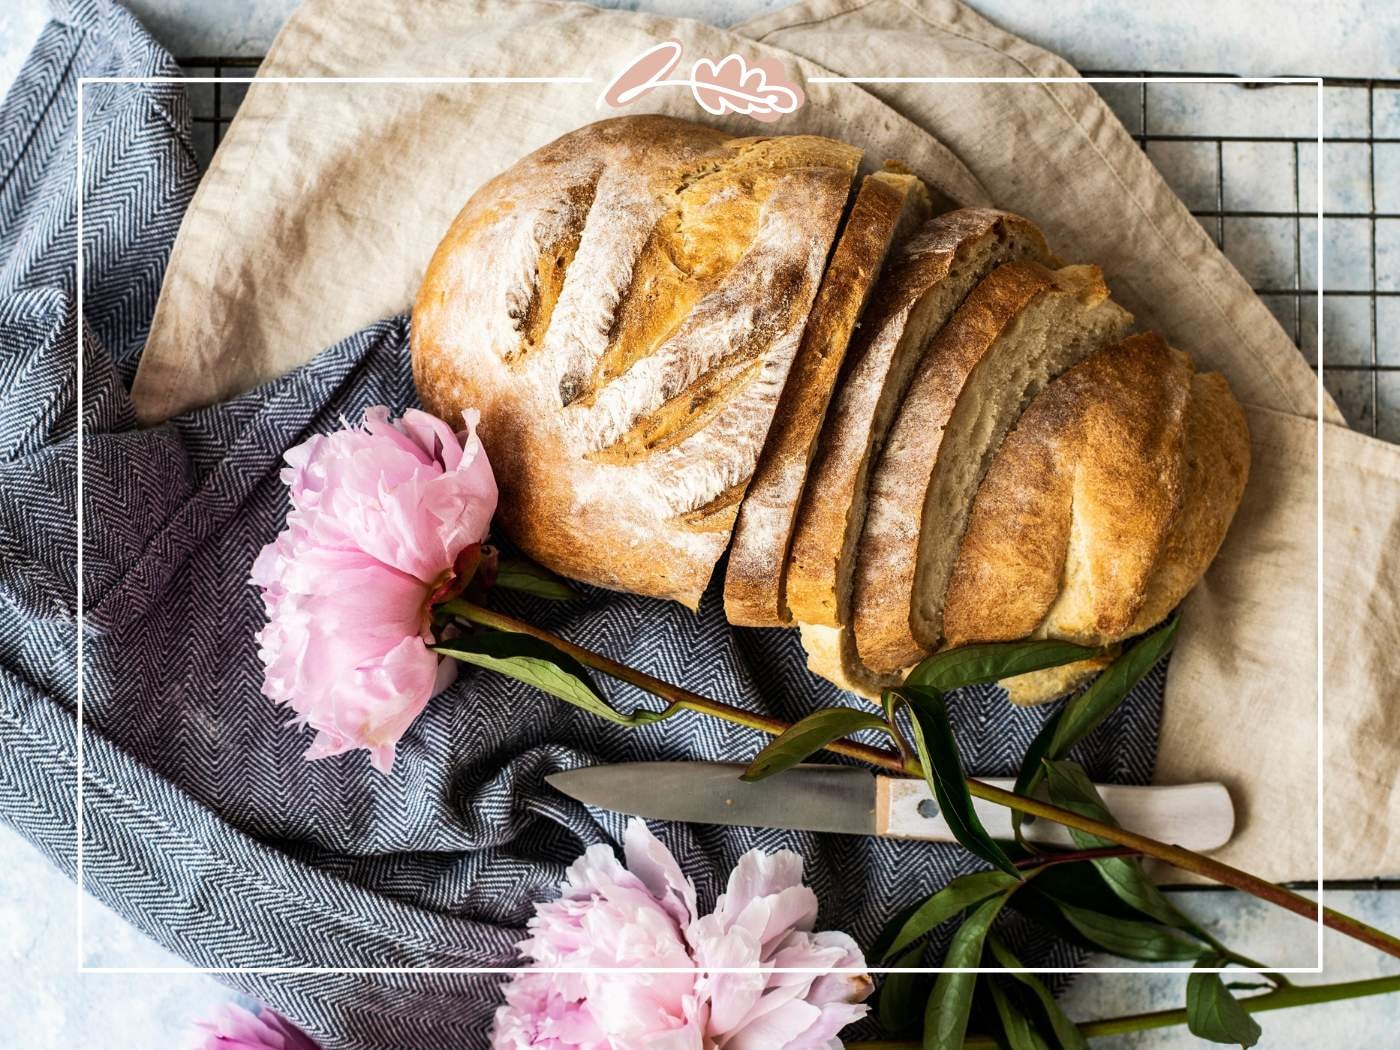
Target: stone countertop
56, 1008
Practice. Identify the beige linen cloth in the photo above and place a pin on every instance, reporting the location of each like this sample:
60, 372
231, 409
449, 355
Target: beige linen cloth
325, 201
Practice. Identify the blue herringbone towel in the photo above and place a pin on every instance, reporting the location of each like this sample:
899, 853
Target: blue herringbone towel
203, 825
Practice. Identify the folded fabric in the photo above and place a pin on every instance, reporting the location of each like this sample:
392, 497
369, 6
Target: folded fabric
203, 825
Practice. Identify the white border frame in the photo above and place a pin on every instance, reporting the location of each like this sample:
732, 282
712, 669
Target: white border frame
81, 895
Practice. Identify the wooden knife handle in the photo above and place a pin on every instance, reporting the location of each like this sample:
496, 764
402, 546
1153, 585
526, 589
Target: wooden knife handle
1197, 816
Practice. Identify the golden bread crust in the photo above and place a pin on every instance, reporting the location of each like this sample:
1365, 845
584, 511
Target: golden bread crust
1217, 470
1105, 505
622, 306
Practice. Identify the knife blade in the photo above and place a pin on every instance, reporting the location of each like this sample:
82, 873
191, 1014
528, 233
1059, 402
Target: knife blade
847, 800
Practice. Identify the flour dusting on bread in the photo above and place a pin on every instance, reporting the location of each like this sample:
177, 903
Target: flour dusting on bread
623, 306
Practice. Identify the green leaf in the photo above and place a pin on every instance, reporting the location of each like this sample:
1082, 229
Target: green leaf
960, 894
1085, 713
945, 1016
943, 769
521, 574
988, 662
1031, 768
1213, 1013
1071, 788
1067, 1033
539, 664
890, 703
1130, 939
902, 995
1016, 1025
808, 736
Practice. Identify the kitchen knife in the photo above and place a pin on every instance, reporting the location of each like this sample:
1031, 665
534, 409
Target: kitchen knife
847, 800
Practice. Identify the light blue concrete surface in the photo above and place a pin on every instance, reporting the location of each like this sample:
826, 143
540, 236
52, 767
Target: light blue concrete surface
46, 1005
59, 1010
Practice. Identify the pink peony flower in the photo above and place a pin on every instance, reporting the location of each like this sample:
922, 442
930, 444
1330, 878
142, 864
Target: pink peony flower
237, 1029
385, 521
644, 915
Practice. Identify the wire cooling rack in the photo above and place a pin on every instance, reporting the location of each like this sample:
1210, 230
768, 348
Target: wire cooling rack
1253, 192
1243, 158
1248, 173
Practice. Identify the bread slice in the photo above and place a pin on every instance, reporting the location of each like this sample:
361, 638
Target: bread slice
918, 294
888, 207
1022, 325
1074, 513
1102, 509
623, 306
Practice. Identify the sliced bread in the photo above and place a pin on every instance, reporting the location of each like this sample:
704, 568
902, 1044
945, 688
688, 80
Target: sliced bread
888, 208
918, 294
1102, 509
1022, 325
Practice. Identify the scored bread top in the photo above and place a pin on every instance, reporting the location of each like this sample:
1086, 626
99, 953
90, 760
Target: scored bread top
623, 306
1118, 483
916, 296
888, 206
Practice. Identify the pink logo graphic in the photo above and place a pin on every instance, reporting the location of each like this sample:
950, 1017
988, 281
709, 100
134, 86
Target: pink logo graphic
731, 85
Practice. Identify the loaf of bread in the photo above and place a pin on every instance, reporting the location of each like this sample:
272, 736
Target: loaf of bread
888, 207
1102, 508
623, 306
909, 433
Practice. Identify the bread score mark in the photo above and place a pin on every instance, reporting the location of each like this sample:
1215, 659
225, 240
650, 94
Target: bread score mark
754, 316
558, 232
683, 415
715, 220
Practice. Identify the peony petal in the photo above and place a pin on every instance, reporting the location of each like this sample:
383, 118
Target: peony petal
654, 865
379, 516
381, 491
237, 1029
760, 874
732, 996
437, 440
610, 915
777, 1029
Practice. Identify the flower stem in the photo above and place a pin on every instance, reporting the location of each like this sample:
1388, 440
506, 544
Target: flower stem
1176, 856
1278, 999
1046, 860
672, 694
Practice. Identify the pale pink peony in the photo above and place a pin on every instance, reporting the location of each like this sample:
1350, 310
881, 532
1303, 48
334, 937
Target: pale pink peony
384, 521
644, 915
237, 1029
